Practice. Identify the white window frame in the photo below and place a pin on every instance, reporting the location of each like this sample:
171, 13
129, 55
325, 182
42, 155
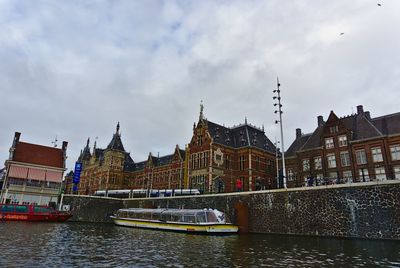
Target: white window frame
395, 152
318, 163
348, 176
345, 158
306, 164
380, 173
396, 172
377, 154
366, 174
342, 140
329, 143
331, 159
290, 174
361, 157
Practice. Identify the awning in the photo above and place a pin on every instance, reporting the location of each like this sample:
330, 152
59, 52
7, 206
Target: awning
18, 172
36, 174
54, 176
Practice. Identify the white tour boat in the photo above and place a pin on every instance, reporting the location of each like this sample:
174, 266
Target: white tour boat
180, 220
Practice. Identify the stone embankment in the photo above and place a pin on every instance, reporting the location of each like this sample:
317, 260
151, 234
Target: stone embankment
364, 210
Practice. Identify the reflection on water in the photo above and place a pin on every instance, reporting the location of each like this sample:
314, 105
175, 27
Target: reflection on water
104, 245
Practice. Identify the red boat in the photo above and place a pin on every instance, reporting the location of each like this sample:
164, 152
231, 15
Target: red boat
15, 212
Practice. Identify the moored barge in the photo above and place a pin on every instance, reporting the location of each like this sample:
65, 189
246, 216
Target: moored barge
16, 212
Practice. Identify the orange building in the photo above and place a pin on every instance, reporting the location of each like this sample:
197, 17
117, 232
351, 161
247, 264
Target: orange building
34, 173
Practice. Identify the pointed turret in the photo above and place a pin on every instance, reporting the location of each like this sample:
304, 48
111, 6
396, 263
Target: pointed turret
116, 143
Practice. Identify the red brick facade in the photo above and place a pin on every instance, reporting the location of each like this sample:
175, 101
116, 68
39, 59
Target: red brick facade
215, 160
354, 148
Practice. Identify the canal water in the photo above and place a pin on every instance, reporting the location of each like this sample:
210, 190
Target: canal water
106, 245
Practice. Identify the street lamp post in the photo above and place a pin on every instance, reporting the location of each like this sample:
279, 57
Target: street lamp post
279, 111
277, 162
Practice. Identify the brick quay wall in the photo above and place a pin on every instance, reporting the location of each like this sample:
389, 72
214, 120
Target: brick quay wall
364, 210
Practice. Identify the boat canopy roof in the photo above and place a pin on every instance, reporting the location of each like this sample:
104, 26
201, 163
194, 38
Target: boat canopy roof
169, 210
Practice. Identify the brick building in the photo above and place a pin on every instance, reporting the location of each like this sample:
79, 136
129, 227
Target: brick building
353, 148
216, 158
219, 157
34, 173
113, 168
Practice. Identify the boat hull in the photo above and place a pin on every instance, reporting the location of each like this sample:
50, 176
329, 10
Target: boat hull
206, 228
35, 217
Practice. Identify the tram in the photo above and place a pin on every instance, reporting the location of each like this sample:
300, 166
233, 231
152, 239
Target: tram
139, 193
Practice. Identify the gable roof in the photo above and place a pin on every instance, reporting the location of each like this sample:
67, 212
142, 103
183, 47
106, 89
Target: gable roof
297, 144
361, 125
38, 154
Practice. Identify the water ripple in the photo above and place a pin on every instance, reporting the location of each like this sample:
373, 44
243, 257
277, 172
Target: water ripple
104, 245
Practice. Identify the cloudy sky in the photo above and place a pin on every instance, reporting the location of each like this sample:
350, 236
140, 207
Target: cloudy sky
73, 69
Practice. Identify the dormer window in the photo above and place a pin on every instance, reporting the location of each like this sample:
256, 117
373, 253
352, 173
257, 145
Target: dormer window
334, 129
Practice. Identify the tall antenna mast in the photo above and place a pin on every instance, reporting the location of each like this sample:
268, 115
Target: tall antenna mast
54, 142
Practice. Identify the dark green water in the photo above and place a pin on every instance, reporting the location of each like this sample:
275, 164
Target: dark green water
103, 245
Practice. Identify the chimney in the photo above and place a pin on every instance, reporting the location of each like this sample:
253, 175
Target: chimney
17, 135
320, 119
360, 109
298, 133
368, 115
64, 150
64, 146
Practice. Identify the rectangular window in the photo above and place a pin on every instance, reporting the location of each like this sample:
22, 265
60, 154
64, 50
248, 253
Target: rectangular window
318, 162
396, 170
332, 175
290, 174
345, 158
306, 164
257, 166
329, 143
241, 162
334, 129
361, 158
377, 154
347, 176
331, 160
342, 140
380, 174
227, 161
395, 152
363, 174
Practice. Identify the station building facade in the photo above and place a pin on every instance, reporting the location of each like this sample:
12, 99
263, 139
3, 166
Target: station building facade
352, 148
217, 159
33, 173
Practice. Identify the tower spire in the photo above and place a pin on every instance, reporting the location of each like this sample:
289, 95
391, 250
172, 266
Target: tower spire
87, 142
118, 128
201, 117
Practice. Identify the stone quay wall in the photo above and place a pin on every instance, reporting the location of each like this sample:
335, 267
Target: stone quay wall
363, 210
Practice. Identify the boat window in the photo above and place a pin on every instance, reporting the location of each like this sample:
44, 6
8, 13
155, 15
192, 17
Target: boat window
41, 209
176, 217
189, 218
155, 215
201, 217
165, 217
211, 217
21, 209
122, 214
7, 208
